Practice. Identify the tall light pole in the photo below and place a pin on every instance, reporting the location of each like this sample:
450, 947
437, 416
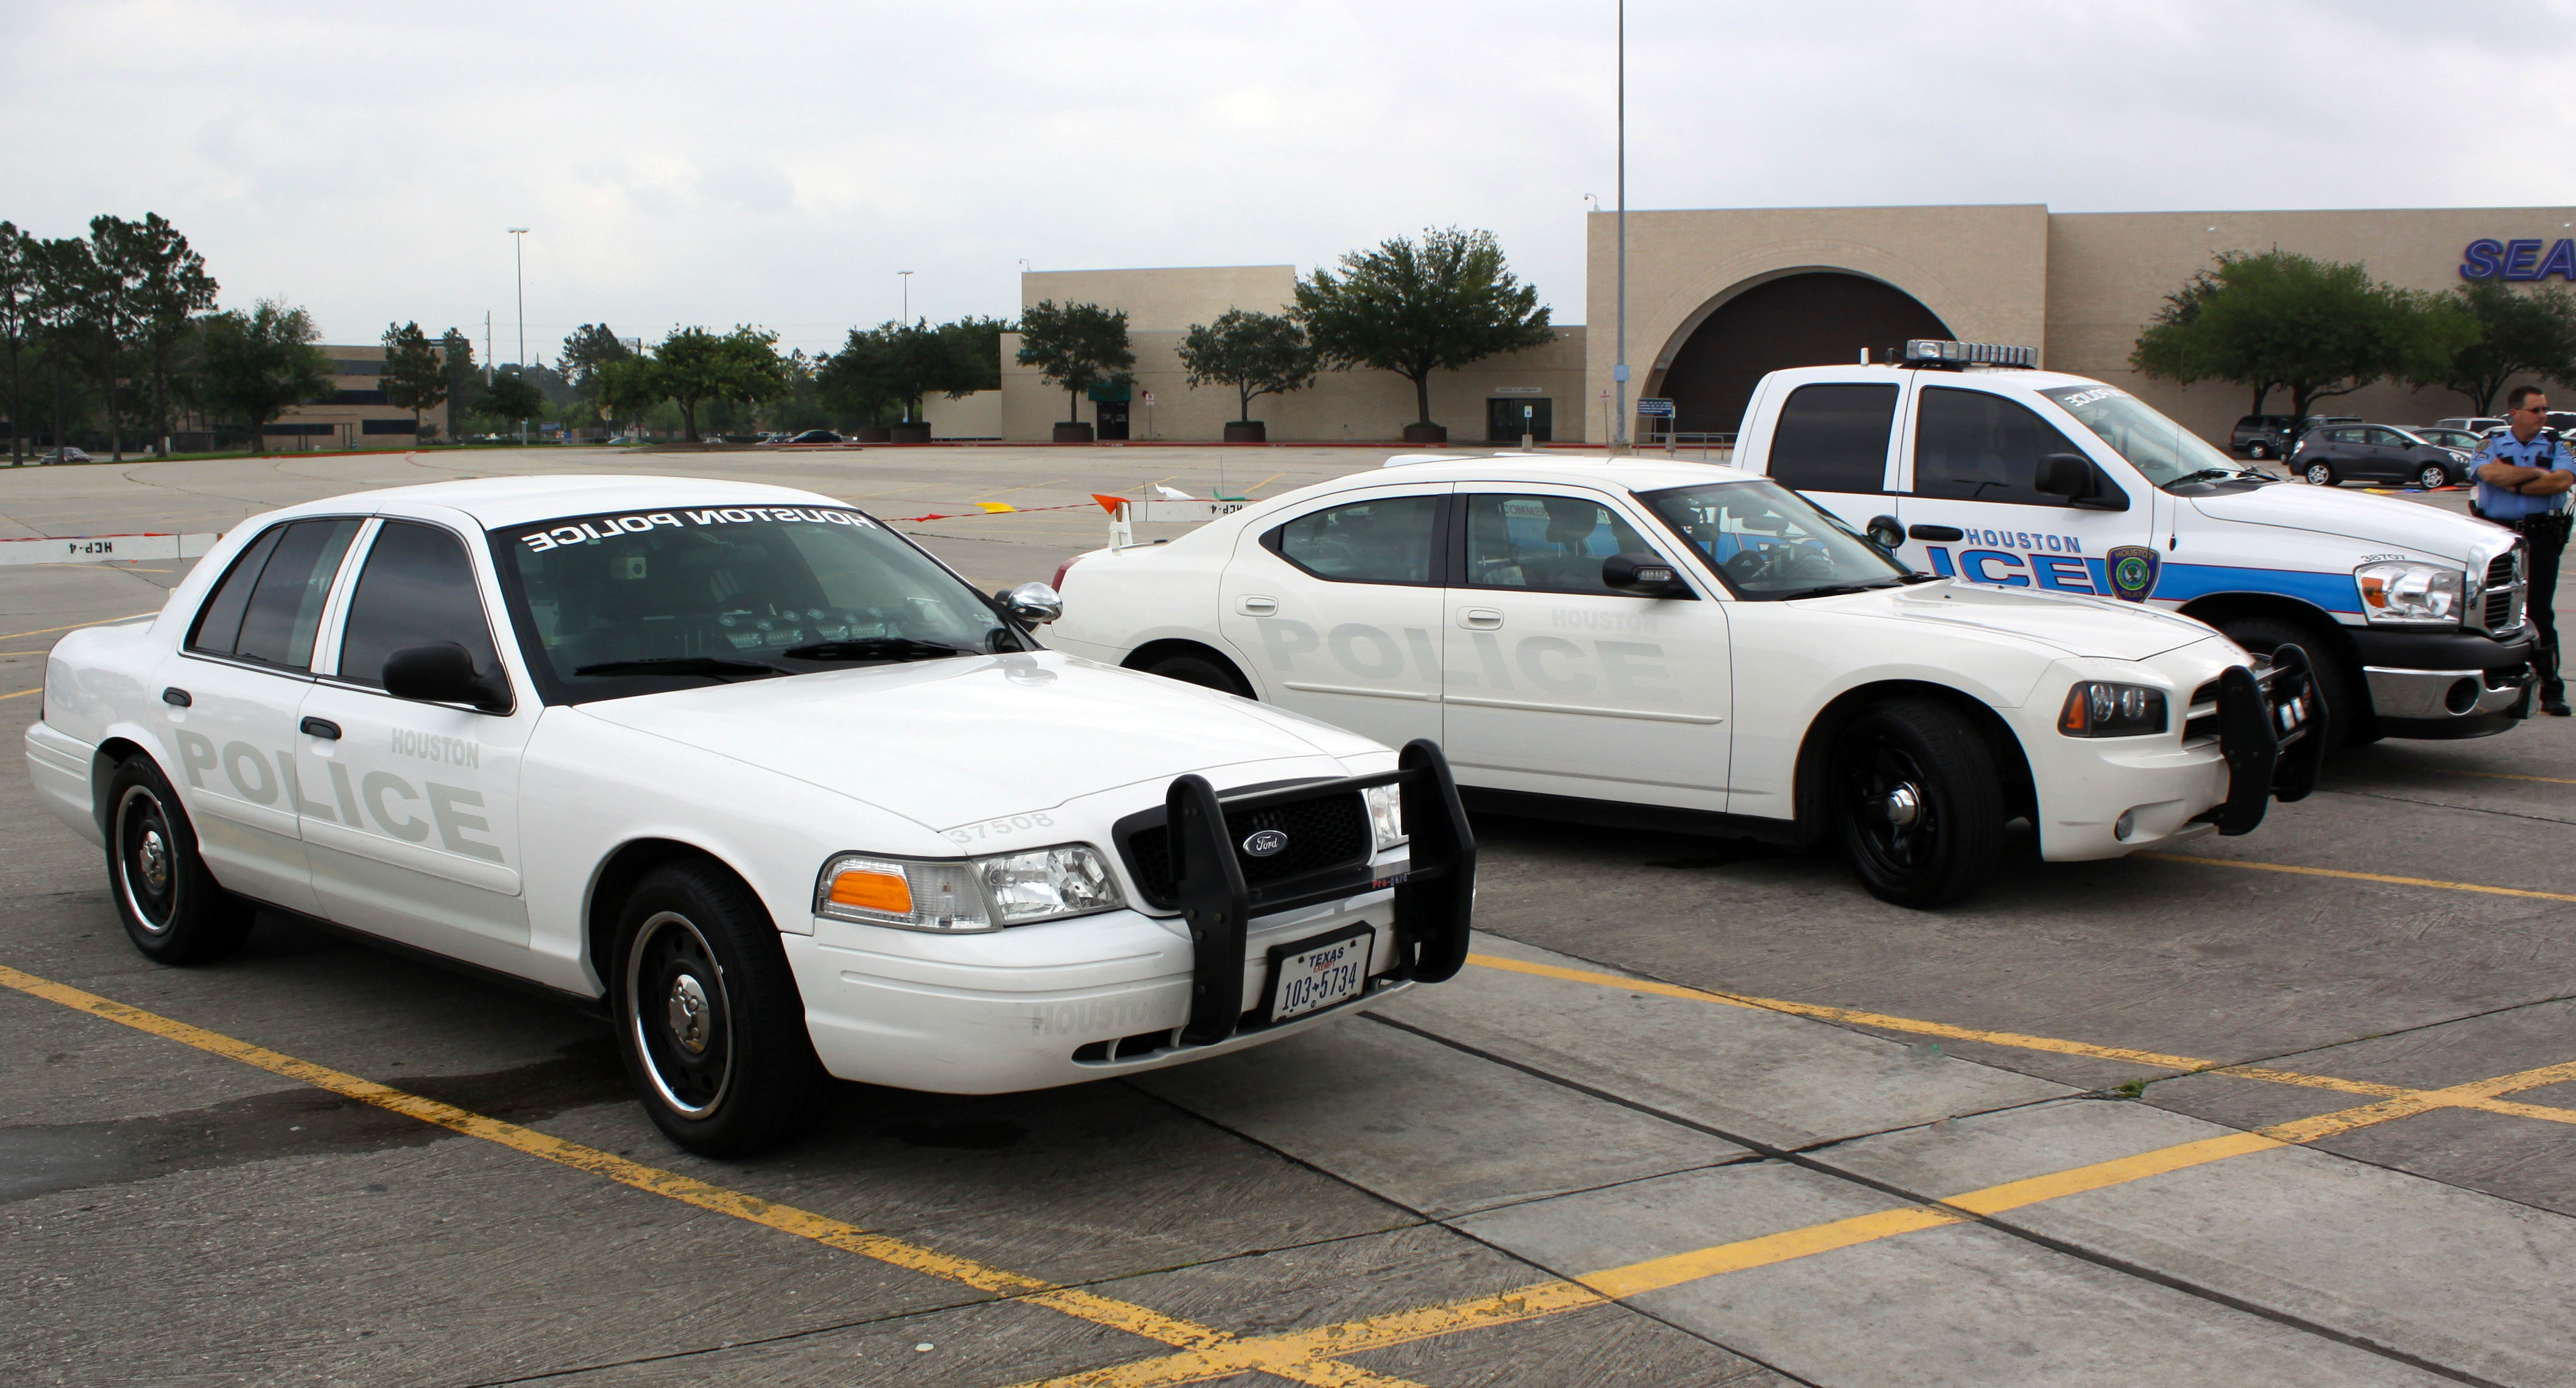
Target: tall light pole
907, 296
519, 263
1619, 370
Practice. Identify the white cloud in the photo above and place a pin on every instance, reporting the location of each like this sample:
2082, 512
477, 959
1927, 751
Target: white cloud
778, 163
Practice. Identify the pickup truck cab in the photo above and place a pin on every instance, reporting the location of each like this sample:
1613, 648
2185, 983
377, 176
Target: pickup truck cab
1969, 464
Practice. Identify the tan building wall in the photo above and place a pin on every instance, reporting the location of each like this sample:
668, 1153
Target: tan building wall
360, 369
1341, 407
975, 416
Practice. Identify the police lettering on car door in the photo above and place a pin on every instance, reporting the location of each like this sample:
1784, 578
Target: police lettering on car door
392, 805
1542, 661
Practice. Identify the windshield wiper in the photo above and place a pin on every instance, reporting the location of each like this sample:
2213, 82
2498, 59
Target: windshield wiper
707, 665
1835, 590
877, 648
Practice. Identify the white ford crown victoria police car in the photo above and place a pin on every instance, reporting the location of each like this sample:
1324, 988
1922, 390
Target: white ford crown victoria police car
1675, 645
780, 791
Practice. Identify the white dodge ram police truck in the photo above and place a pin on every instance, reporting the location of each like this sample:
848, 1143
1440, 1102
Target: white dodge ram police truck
1972, 466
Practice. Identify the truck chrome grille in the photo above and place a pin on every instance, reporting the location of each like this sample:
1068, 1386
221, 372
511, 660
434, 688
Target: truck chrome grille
2501, 609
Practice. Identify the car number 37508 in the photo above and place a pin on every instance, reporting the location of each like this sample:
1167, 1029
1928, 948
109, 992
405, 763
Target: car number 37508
995, 828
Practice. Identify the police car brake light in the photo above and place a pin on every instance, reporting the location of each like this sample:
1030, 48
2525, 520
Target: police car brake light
1925, 351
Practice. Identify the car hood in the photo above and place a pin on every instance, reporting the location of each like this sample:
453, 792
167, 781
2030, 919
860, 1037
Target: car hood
2066, 622
2381, 521
949, 742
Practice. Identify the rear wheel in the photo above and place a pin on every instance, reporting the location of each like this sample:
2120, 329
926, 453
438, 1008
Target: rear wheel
2320, 475
710, 1023
2433, 475
2348, 718
1917, 802
171, 905
1206, 671
2258, 450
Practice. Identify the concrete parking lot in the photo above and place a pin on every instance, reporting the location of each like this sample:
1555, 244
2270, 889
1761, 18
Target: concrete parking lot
2292, 1108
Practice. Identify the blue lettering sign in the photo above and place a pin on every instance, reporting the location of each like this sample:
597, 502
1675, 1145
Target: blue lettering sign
1940, 556
2481, 260
2062, 574
2519, 257
1974, 562
2561, 261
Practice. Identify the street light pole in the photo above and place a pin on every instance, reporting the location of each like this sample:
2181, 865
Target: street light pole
907, 296
1619, 371
519, 263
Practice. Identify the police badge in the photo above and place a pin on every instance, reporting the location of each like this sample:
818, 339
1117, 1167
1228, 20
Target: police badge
2133, 572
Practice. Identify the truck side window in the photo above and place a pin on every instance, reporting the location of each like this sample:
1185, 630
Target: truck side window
1972, 446
1834, 438
270, 606
1388, 540
417, 590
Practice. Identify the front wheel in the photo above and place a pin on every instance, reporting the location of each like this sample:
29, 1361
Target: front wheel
2433, 477
2258, 450
2348, 718
173, 909
2320, 475
1205, 671
1917, 802
710, 1023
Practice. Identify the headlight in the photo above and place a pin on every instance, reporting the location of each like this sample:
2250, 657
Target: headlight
2405, 593
976, 894
1386, 816
2099, 708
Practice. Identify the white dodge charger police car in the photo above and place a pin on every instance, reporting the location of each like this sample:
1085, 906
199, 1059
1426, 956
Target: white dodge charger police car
776, 789
1680, 646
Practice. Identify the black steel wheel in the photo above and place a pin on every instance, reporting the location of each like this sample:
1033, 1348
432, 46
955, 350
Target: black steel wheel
2320, 474
173, 909
710, 1022
2433, 475
1917, 802
1206, 671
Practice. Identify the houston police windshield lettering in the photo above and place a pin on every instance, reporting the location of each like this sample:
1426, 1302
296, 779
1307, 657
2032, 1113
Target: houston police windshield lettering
585, 529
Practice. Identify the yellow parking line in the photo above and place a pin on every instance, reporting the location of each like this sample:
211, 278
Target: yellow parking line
103, 621
2504, 776
2363, 876
23, 693
1658, 1274
787, 1219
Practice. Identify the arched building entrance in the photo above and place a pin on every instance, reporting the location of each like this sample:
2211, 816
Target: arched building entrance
1812, 318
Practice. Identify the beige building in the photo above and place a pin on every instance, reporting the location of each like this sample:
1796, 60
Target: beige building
1715, 298
355, 414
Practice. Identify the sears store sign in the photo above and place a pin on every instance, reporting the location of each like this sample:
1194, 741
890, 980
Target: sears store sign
2488, 259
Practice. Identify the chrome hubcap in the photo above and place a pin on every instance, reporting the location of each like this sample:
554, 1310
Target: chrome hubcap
678, 1014
1902, 806
152, 857
687, 1010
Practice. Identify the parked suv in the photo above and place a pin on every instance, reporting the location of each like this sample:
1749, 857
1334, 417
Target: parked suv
2262, 435
2377, 453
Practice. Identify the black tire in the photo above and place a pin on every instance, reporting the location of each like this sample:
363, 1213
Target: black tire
174, 910
2432, 475
2321, 474
1206, 671
709, 1019
2348, 718
2258, 450
1917, 802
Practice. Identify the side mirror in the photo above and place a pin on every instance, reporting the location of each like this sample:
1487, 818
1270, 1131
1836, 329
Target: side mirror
443, 674
1643, 574
1034, 603
1886, 532
2075, 478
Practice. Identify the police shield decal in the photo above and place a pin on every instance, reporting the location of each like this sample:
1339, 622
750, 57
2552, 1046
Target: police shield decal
2133, 572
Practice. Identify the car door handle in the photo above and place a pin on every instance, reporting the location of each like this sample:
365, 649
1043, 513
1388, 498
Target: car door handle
1254, 605
176, 697
322, 728
1479, 618
1944, 533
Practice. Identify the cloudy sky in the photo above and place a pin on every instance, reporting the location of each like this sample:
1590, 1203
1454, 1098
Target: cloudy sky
779, 163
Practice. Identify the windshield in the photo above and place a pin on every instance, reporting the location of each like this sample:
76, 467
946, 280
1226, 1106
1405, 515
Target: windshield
2156, 446
632, 602
1770, 543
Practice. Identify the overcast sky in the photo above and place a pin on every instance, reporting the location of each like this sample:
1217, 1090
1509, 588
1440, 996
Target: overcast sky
779, 163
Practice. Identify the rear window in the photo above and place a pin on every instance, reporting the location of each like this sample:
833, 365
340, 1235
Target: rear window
1833, 438
269, 606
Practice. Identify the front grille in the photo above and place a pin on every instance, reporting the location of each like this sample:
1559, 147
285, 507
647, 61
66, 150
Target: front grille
2204, 725
2501, 611
1326, 832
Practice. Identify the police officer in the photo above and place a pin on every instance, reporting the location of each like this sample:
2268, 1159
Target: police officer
2523, 477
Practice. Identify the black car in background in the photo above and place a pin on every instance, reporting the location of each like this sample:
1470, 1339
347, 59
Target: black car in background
2377, 453
2274, 435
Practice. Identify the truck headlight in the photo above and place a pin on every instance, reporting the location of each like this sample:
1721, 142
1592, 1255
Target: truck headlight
2100, 708
2407, 593
955, 897
1386, 817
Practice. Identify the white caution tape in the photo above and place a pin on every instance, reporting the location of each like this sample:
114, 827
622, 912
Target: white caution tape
104, 549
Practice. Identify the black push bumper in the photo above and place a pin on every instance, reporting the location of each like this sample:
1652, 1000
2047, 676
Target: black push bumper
2271, 729
1434, 896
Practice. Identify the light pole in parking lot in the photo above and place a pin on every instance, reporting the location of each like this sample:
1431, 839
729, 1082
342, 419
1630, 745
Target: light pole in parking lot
1619, 370
519, 265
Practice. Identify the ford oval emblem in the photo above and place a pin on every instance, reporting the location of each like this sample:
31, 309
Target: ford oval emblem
1268, 843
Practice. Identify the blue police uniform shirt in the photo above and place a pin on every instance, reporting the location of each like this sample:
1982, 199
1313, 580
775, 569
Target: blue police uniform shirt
2544, 451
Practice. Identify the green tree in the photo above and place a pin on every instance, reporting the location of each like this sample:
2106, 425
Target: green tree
2522, 333
1256, 353
976, 344
2316, 328
257, 364
112, 313
171, 287
415, 379
628, 387
693, 366
64, 275
857, 382
464, 381
1414, 309
19, 328
512, 398
585, 355
1077, 346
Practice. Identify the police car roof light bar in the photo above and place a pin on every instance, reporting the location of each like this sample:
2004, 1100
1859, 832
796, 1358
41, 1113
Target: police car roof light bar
1954, 356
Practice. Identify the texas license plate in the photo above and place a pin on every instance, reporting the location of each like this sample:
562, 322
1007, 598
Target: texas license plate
1312, 975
